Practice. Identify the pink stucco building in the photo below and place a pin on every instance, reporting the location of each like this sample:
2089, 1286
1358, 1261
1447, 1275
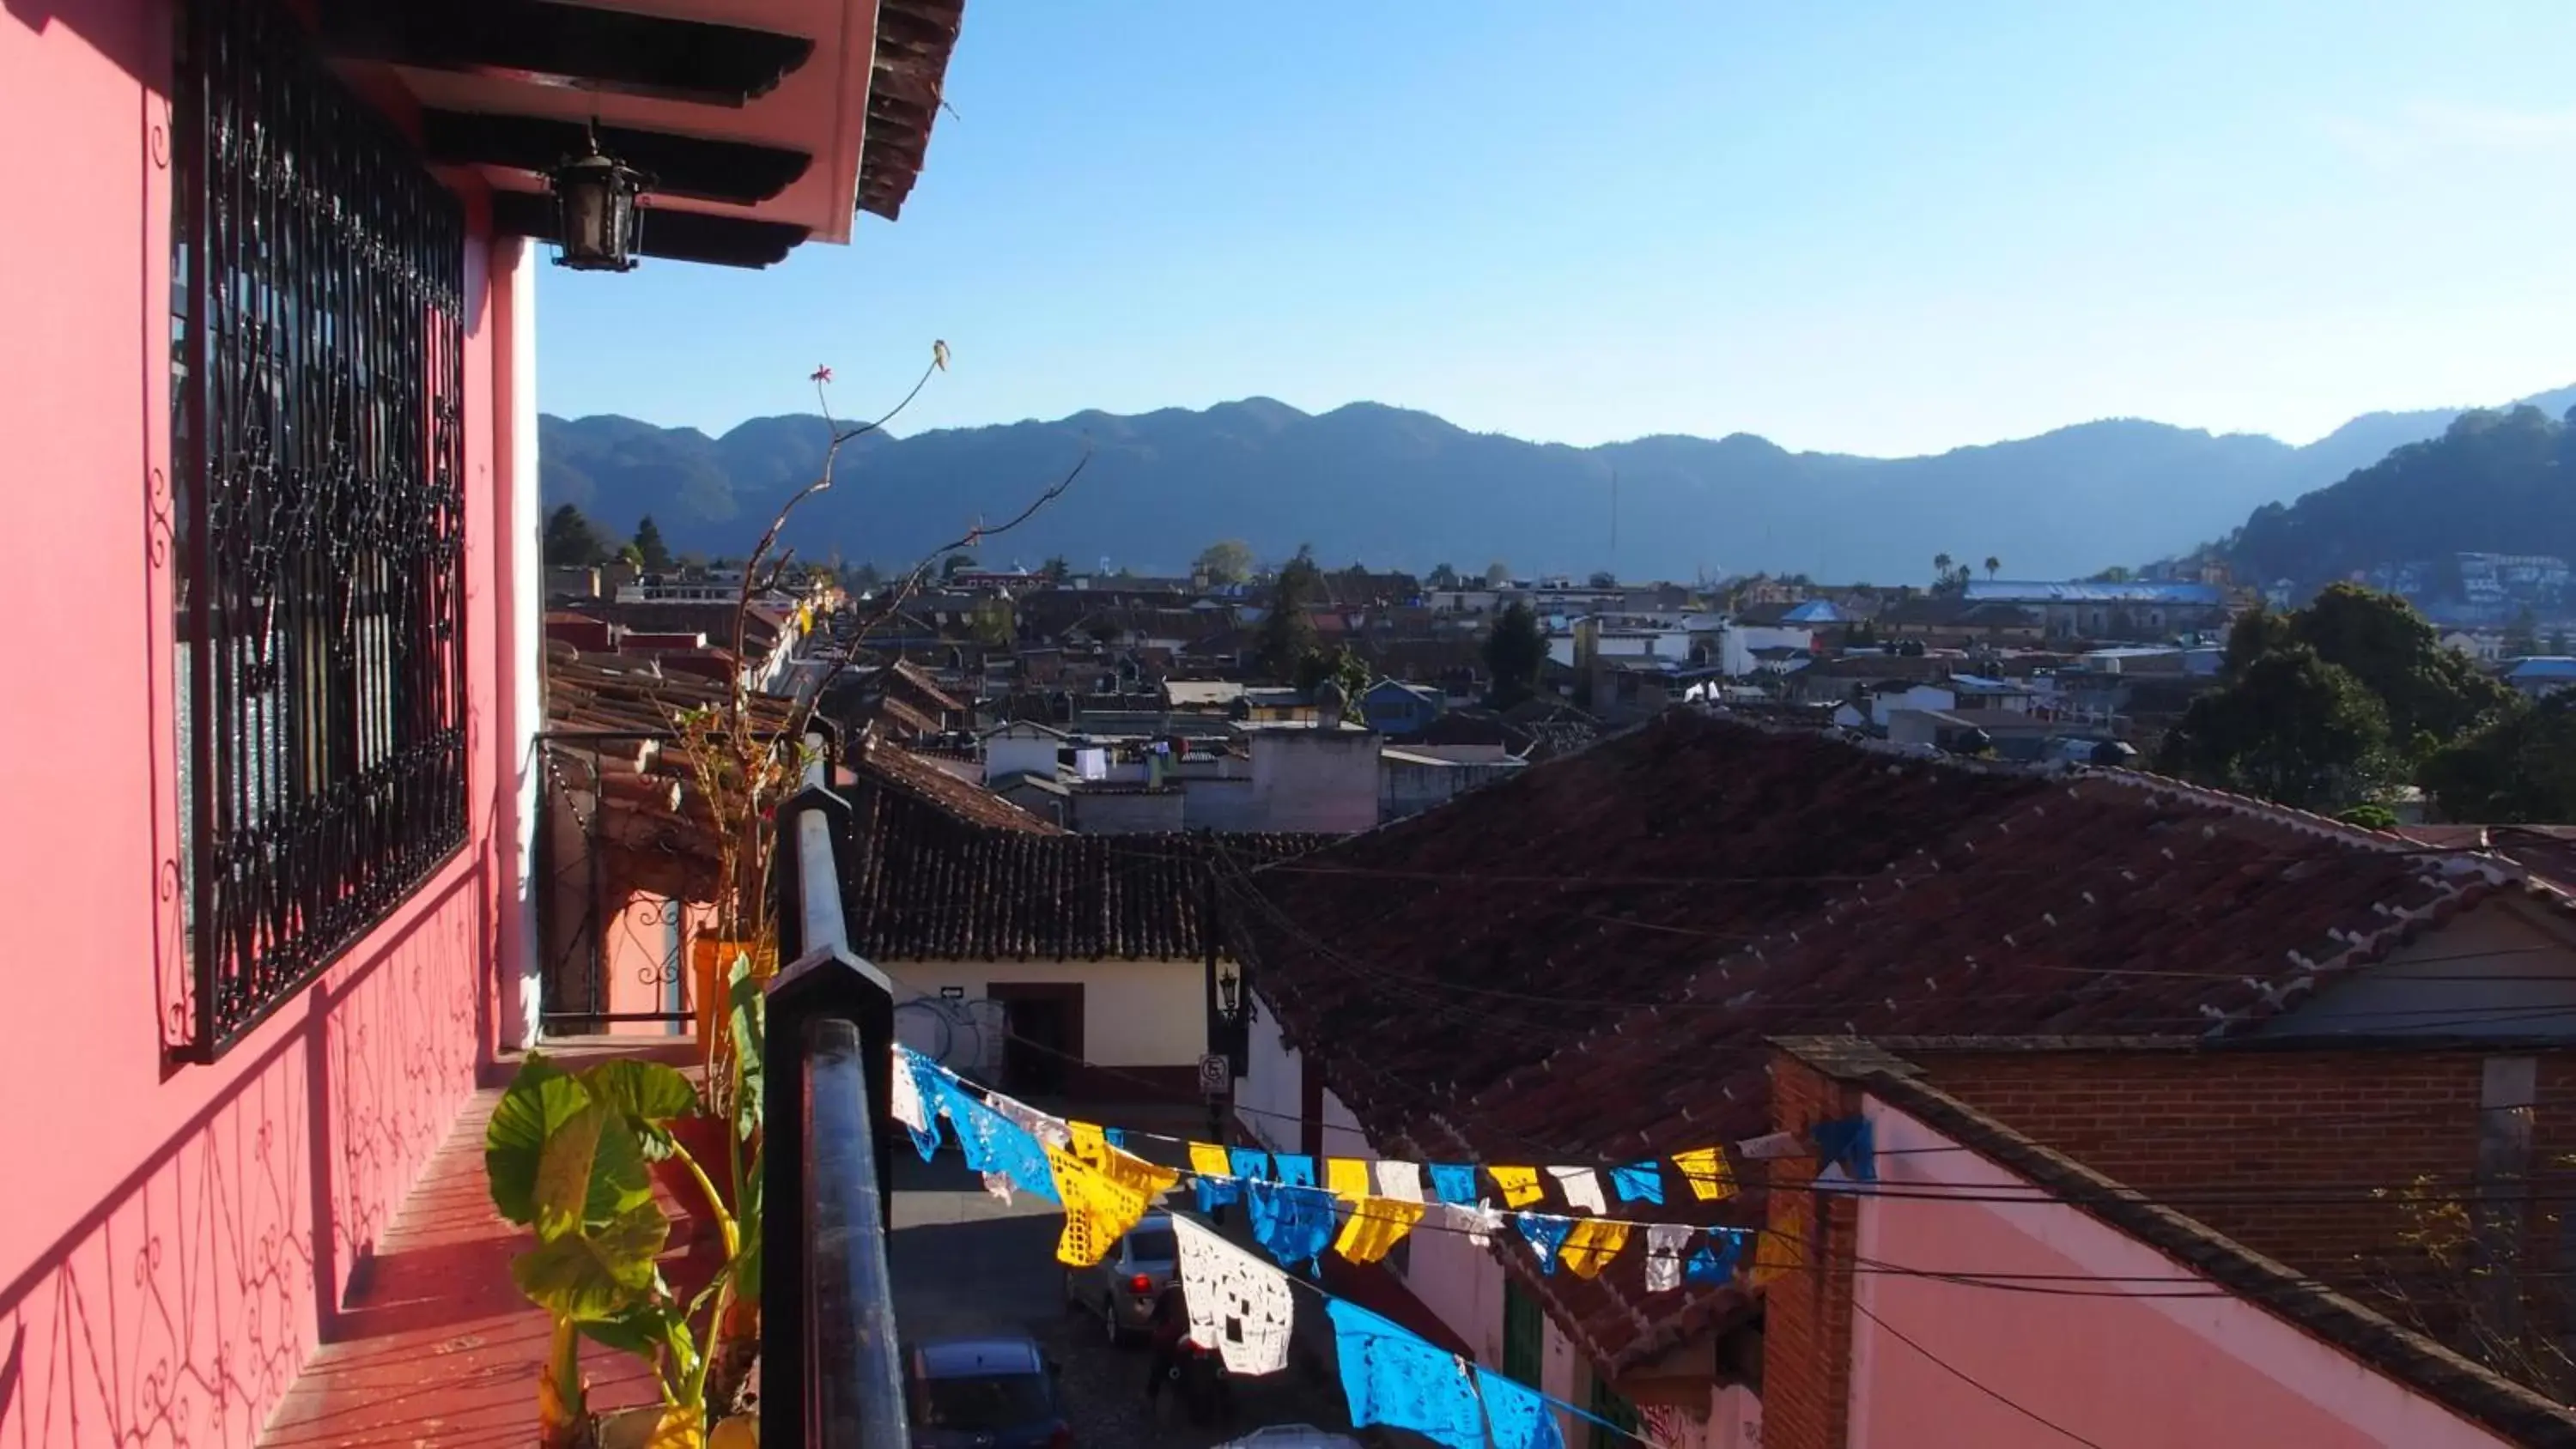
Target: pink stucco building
1983, 1289
268, 488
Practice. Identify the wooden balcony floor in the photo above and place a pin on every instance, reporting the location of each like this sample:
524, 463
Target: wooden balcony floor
436, 1348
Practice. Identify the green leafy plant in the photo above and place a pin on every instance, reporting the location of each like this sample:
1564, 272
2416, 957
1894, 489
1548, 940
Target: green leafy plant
568, 1156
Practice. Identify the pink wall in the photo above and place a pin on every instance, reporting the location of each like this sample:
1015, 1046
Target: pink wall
176, 1239
2211, 1371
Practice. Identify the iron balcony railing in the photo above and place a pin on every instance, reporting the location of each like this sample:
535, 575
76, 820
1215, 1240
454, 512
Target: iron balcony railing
831, 1367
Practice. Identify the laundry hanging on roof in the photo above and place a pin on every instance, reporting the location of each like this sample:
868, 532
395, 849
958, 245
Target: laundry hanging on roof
1102, 1202
1240, 1307
1295, 1169
1664, 1243
1593, 1243
1519, 1185
1581, 1186
1707, 1172
1546, 1235
1292, 1223
1639, 1182
1517, 1415
1393, 1378
1376, 1225
1454, 1181
1251, 1162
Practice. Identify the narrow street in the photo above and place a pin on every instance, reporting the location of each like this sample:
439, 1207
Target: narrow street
966, 1264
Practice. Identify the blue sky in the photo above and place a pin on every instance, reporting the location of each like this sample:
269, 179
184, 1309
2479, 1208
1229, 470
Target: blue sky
1872, 228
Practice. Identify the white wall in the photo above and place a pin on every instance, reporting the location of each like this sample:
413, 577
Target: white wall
1882, 707
1267, 1097
1007, 754
1738, 641
1134, 1013
1315, 779
522, 959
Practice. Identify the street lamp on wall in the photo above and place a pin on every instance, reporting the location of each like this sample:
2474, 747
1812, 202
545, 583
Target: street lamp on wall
598, 219
1229, 993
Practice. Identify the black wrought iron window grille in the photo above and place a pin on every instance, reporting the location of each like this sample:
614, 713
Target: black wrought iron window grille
318, 513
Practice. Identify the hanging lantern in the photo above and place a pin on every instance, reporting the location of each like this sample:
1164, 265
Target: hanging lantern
597, 218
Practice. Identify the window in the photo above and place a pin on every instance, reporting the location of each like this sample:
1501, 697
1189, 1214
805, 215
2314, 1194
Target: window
317, 481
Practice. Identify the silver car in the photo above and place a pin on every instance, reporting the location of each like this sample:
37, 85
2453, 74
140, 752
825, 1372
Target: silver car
1121, 1288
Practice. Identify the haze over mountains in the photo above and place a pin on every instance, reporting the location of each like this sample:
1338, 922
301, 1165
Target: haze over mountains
1397, 488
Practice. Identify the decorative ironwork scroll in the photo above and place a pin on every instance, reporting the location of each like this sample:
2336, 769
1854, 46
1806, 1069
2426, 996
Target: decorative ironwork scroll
319, 513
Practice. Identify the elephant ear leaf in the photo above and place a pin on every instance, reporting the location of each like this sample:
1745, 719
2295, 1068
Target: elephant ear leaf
646, 1332
540, 1103
748, 1021
596, 1274
648, 1095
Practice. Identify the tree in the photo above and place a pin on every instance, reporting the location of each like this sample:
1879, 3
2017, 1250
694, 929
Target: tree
570, 541
1514, 653
1341, 666
2292, 728
953, 565
1994, 566
1940, 569
1286, 635
2115, 574
631, 556
2518, 770
1055, 570
1444, 577
1226, 561
1497, 574
2431, 694
2558, 643
654, 554
1603, 579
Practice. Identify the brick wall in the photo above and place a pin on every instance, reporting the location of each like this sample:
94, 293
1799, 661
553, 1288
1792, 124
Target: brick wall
1806, 1332
2304, 1155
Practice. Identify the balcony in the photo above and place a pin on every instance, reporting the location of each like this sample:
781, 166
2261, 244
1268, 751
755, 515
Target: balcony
437, 1346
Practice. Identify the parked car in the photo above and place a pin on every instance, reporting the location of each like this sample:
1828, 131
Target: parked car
1121, 1288
1292, 1436
983, 1393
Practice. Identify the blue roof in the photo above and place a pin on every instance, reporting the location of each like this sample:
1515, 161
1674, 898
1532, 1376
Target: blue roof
2010, 591
1814, 611
2544, 666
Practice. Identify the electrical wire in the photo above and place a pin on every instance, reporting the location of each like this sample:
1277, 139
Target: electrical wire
1963, 1376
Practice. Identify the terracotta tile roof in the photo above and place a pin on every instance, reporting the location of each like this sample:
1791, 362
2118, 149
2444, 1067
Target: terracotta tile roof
925, 886
2523, 1415
652, 827
873, 760
1582, 963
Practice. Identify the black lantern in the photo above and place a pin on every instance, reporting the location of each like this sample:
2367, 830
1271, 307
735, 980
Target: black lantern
1229, 992
597, 220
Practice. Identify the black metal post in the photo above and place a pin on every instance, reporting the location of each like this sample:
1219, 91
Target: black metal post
831, 1365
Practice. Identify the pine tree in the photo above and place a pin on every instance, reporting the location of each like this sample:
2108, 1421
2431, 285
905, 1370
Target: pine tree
649, 546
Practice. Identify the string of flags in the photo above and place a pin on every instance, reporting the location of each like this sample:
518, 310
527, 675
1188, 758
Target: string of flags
1358, 1208
1244, 1309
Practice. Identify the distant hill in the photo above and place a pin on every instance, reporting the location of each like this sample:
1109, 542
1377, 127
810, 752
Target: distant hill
1398, 488
2491, 482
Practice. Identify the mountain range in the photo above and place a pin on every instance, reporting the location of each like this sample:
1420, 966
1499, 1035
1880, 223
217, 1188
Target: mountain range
1398, 488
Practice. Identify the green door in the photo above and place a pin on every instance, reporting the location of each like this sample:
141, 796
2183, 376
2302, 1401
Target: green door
1609, 1404
1524, 1335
